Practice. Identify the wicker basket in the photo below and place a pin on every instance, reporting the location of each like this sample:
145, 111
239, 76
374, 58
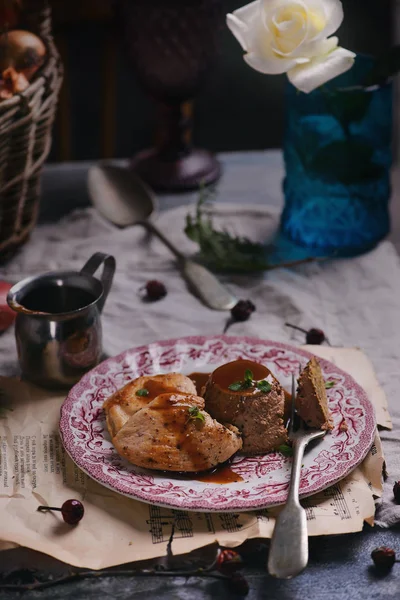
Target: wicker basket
25, 137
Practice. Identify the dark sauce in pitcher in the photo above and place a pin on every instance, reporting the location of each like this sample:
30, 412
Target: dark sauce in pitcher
56, 299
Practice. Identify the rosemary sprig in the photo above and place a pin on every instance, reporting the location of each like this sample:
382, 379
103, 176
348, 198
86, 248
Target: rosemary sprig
225, 252
220, 249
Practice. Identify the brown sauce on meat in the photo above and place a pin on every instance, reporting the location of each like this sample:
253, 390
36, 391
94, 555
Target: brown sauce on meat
222, 474
177, 419
234, 371
155, 388
199, 380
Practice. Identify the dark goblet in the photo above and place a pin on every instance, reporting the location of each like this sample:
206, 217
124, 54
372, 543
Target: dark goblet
172, 45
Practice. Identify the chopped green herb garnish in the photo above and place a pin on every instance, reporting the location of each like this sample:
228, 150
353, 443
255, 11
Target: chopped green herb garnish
236, 386
264, 386
329, 384
248, 382
142, 392
194, 413
285, 450
248, 377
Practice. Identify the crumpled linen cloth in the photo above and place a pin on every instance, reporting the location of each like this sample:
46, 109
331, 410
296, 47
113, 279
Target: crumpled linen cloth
355, 301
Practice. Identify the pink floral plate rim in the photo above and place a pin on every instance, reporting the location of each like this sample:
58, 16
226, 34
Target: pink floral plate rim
85, 437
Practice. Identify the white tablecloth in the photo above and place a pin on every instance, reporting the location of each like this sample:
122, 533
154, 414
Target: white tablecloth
355, 301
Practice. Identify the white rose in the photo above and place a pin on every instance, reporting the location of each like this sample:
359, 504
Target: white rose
292, 36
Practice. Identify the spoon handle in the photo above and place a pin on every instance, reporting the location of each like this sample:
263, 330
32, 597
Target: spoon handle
201, 281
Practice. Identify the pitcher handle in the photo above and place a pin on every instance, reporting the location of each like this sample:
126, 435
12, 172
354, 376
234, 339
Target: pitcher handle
107, 275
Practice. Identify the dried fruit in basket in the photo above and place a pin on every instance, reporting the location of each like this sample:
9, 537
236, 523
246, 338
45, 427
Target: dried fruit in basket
12, 83
22, 50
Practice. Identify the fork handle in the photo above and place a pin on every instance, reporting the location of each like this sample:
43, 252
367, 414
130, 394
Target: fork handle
288, 554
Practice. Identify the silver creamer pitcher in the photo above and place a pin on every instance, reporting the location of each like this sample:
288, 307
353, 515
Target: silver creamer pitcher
58, 327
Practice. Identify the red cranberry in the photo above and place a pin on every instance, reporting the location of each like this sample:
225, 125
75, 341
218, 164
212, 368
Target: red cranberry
396, 491
242, 310
155, 290
228, 561
72, 511
238, 585
383, 557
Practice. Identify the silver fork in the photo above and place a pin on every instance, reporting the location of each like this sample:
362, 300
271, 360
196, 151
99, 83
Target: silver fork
288, 554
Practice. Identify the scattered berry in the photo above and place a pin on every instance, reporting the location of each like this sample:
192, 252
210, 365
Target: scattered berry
72, 511
314, 336
242, 310
383, 557
396, 491
238, 584
228, 561
154, 290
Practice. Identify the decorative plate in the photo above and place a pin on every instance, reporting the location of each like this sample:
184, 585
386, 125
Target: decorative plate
265, 478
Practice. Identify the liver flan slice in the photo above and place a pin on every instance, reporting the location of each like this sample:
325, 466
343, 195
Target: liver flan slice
258, 415
311, 400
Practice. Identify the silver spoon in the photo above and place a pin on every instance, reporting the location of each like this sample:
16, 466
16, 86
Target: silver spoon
124, 199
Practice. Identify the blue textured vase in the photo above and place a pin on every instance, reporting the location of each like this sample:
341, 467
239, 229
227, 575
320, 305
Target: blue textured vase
337, 153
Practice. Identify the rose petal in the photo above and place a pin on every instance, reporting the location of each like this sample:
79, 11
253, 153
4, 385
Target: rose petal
307, 77
272, 66
319, 48
242, 21
334, 16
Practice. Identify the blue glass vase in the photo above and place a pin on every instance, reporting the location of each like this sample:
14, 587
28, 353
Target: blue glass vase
337, 153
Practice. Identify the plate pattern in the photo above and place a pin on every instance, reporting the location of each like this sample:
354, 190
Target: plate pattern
84, 433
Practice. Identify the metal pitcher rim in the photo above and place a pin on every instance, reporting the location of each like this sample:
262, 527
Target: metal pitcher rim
15, 305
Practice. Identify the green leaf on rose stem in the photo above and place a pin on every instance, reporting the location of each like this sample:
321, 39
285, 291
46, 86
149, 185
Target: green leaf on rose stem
236, 386
385, 66
194, 413
329, 384
285, 450
264, 386
142, 392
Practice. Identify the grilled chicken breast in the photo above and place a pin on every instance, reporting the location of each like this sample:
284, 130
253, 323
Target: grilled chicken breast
174, 433
126, 401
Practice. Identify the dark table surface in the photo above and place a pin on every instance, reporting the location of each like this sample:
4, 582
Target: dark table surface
339, 567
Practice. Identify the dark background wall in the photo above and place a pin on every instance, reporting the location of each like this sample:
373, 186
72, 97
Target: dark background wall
104, 112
